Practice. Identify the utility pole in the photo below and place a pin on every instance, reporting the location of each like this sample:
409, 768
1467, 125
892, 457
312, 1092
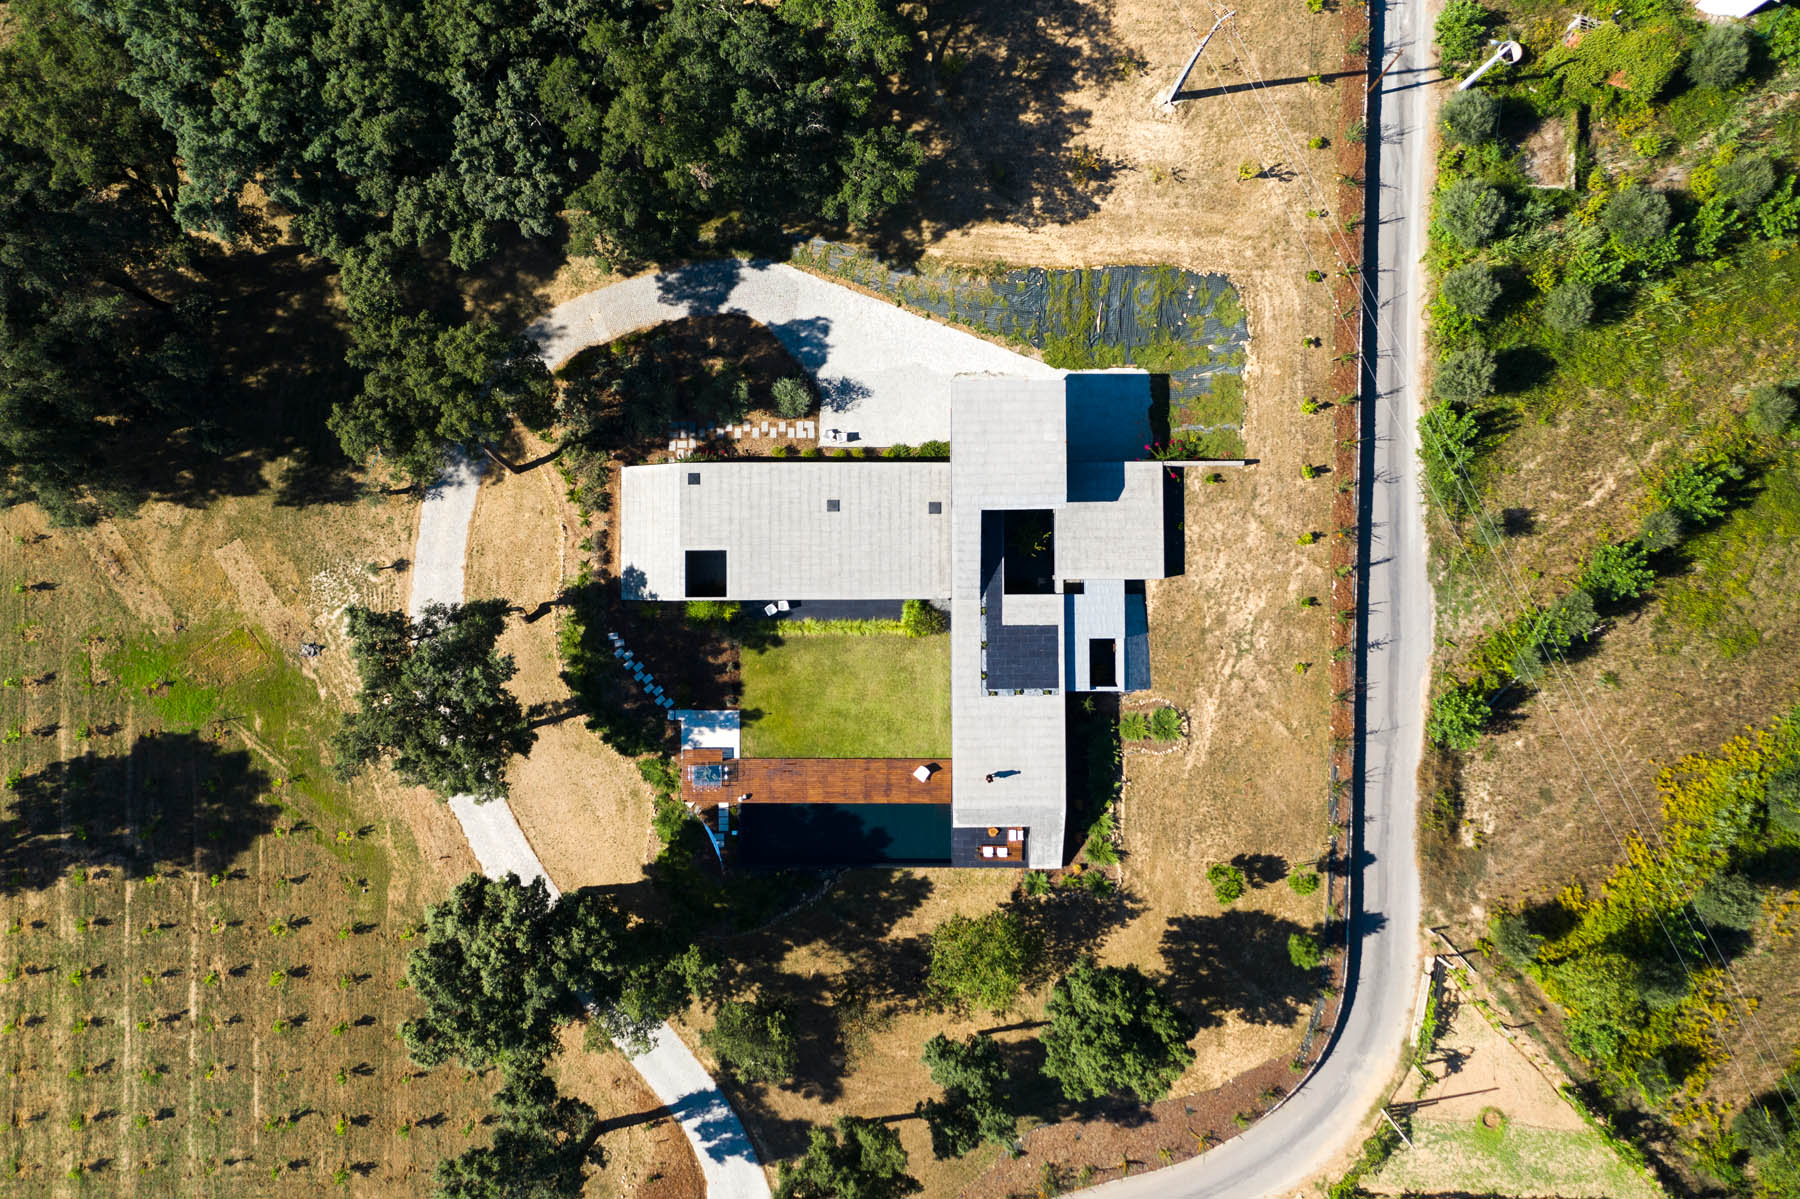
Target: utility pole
1168, 103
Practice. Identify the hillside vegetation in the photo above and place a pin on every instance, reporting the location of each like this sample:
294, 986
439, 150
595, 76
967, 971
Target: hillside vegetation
1614, 481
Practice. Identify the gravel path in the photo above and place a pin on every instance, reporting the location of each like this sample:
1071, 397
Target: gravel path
726, 1157
884, 373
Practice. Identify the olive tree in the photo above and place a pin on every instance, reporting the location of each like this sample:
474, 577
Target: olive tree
1720, 55
1472, 289
1569, 307
1636, 217
1471, 212
1469, 118
1112, 1030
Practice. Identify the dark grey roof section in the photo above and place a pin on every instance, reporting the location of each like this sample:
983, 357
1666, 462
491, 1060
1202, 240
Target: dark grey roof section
1137, 643
1018, 657
966, 843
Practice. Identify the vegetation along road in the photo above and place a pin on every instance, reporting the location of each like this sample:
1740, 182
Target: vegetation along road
1330, 1109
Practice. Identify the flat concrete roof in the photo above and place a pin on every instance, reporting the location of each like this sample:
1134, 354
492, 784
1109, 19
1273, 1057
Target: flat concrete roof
782, 537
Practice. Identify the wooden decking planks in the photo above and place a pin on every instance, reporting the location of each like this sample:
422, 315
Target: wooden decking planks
817, 780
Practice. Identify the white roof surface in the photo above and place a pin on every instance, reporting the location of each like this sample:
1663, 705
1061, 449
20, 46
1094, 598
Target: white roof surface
780, 537
1116, 539
1008, 449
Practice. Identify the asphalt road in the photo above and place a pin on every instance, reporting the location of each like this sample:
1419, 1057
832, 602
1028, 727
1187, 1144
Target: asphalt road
1294, 1145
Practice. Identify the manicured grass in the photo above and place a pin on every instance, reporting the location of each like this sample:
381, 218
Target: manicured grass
848, 697
1460, 1155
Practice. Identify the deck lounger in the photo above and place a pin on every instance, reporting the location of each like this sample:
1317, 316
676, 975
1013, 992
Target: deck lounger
987, 851
724, 818
1015, 834
1000, 851
770, 610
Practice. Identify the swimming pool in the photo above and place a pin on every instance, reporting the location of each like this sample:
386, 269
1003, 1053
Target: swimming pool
893, 834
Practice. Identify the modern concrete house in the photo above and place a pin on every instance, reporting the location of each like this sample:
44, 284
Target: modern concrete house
1037, 536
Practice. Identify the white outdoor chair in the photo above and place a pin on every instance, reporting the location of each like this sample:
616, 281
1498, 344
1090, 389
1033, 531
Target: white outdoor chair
770, 610
783, 605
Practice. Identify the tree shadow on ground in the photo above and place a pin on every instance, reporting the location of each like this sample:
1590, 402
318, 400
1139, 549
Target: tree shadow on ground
1068, 923
1261, 869
989, 91
168, 800
1236, 964
865, 974
279, 343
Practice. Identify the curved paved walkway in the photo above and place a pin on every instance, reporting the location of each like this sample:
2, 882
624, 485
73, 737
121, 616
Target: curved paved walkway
884, 373
723, 1149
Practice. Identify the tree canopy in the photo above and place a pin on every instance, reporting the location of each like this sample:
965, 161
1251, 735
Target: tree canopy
453, 122
434, 698
539, 1149
91, 343
754, 1040
1112, 1030
501, 965
973, 1109
982, 961
429, 387
856, 1159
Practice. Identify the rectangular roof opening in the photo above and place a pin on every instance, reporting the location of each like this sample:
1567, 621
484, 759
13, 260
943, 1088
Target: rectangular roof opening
705, 574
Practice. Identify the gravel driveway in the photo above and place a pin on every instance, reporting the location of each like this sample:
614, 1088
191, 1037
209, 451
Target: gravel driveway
723, 1149
884, 373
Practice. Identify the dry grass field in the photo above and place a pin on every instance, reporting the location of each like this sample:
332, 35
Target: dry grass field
204, 934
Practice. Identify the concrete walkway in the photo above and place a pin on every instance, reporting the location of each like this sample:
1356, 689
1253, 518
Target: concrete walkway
727, 1159
884, 373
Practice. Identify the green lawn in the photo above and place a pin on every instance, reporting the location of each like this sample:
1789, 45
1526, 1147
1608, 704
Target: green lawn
1516, 1160
848, 697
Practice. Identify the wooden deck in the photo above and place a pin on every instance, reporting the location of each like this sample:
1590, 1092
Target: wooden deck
813, 780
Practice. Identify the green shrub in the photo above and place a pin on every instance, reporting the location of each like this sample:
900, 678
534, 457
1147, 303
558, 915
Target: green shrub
1461, 29
1636, 217
1783, 798
932, 449
1304, 951
1100, 848
792, 398
783, 451
1692, 491
1780, 30
1729, 901
1035, 883
1473, 289
1771, 410
1165, 724
1720, 56
1134, 726
1447, 438
1470, 213
712, 611
1617, 572
1464, 376
1569, 307
1459, 715
1660, 531
1227, 881
920, 619
897, 451
812, 451
1303, 882
1746, 181
1514, 940
1469, 118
